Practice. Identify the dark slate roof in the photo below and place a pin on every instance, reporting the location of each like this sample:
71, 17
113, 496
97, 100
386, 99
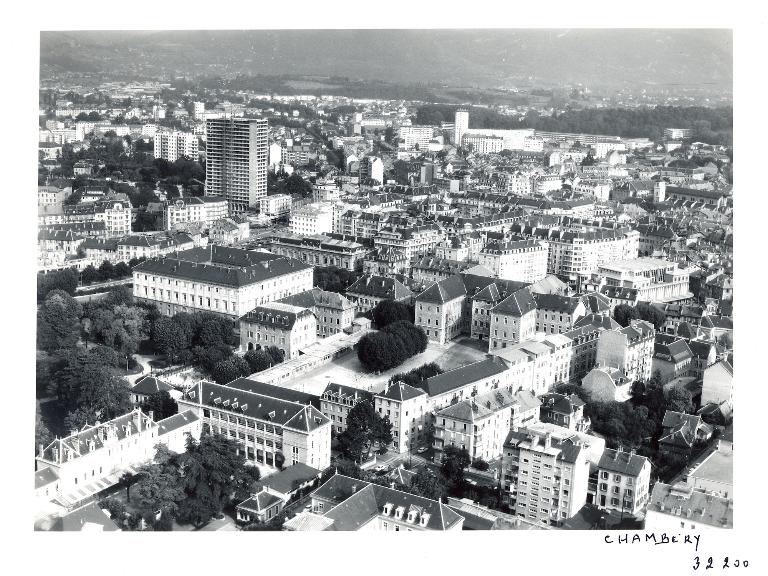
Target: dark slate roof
677, 351
149, 385
273, 391
288, 479
458, 377
721, 322
596, 303
444, 291
598, 321
221, 265
556, 302
679, 429
621, 462
619, 292
369, 501
258, 406
380, 287
318, 297
400, 392
569, 451
260, 502
700, 348
517, 304
560, 402
276, 314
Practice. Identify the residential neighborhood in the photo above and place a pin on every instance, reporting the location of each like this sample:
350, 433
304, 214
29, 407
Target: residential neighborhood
296, 304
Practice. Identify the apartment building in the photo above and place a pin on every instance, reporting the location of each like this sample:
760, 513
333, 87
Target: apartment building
481, 423
482, 144
628, 349
276, 205
717, 385
268, 429
320, 250
538, 366
654, 280
171, 145
439, 309
204, 209
411, 242
52, 195
287, 327
337, 400
584, 338
557, 314
416, 137
230, 230
407, 409
513, 320
620, 482
236, 161
563, 410
228, 281
334, 313
142, 246
575, 253
312, 219
112, 209
544, 479
521, 260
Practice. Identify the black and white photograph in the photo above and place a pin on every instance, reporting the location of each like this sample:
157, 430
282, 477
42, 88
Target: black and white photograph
388, 277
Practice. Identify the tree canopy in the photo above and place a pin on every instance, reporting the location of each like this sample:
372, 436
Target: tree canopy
391, 346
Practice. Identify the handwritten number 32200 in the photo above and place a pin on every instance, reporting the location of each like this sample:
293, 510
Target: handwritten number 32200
727, 563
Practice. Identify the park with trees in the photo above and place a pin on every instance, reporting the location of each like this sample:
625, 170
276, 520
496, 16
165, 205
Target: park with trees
391, 346
191, 488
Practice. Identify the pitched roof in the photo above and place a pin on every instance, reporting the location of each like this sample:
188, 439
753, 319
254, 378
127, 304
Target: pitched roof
370, 501
380, 287
400, 392
598, 321
276, 315
517, 304
88, 518
288, 479
149, 385
258, 406
260, 501
444, 291
677, 351
317, 297
480, 406
622, 462
221, 265
273, 391
686, 502
561, 403
176, 421
464, 375
556, 302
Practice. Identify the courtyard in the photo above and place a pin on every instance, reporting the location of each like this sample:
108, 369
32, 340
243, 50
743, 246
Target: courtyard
348, 371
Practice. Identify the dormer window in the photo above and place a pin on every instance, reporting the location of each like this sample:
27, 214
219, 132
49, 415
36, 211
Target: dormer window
399, 512
424, 519
387, 509
412, 516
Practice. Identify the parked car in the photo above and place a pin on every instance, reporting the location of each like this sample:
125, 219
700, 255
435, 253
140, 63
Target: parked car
380, 469
421, 450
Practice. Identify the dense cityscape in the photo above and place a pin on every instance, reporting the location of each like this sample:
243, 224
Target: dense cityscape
292, 302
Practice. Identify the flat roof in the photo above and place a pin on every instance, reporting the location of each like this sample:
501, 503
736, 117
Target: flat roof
718, 467
636, 264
